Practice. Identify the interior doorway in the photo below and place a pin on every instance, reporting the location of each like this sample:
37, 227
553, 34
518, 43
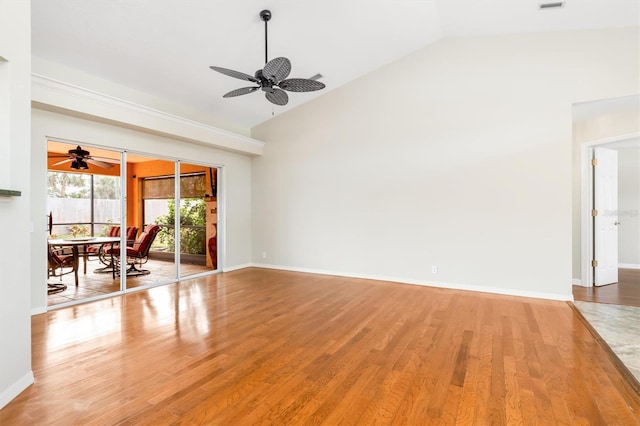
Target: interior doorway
624, 218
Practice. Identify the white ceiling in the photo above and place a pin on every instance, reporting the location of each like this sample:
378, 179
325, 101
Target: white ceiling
165, 47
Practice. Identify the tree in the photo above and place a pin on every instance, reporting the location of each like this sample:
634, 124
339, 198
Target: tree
67, 185
192, 226
106, 187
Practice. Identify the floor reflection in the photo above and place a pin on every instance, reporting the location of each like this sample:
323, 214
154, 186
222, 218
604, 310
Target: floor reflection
178, 306
67, 327
619, 326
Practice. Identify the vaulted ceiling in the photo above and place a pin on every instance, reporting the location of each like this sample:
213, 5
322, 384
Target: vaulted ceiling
165, 47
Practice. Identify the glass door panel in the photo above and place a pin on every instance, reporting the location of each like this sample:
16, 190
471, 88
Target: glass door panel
198, 219
83, 201
151, 206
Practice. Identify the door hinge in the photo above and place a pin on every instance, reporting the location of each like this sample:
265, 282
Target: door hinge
594, 162
594, 212
594, 263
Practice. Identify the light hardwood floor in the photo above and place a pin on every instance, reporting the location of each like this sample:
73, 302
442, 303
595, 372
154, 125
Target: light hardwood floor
260, 346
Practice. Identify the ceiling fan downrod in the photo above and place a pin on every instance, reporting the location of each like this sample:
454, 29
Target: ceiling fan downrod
265, 15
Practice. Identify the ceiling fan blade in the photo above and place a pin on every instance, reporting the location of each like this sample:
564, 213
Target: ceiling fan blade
277, 96
235, 74
98, 163
301, 85
316, 77
277, 69
241, 91
62, 162
106, 160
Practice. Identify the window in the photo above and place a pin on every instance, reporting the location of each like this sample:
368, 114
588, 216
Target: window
82, 204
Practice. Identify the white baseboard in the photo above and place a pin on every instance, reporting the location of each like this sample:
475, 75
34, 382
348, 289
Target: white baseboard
452, 286
236, 267
39, 310
15, 389
628, 266
576, 281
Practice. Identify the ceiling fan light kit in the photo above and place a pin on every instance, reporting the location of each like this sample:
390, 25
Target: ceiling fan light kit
79, 164
272, 79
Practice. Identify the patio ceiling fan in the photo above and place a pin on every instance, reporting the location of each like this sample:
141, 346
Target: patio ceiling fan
272, 79
81, 158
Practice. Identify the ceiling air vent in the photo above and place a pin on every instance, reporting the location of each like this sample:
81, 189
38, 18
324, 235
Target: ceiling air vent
553, 5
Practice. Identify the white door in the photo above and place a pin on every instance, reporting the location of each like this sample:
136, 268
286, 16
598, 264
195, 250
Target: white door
605, 220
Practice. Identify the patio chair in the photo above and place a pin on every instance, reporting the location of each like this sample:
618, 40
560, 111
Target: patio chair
136, 254
60, 263
99, 251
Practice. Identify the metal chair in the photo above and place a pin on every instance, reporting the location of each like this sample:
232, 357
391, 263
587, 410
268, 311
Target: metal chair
60, 263
136, 254
100, 250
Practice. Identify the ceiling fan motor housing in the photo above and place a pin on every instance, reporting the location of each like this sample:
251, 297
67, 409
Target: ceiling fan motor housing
79, 152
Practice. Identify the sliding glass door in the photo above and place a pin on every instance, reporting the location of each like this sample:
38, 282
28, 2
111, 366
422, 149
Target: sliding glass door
169, 220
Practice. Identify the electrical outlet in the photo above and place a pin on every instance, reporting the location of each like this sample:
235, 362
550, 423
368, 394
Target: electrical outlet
264, 254
434, 270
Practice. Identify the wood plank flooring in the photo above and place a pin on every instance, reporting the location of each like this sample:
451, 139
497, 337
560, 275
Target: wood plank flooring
625, 292
260, 346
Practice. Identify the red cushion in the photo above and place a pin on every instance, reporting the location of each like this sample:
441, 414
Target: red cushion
92, 249
141, 244
142, 241
132, 231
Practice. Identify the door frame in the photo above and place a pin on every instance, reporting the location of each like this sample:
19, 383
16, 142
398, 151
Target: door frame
586, 198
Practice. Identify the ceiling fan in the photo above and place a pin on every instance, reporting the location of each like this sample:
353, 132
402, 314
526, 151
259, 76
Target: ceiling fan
79, 158
272, 79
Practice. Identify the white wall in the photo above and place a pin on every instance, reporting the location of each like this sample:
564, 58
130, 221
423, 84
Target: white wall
15, 276
629, 206
91, 82
235, 181
457, 156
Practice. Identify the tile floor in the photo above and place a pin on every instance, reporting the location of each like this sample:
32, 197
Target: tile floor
619, 326
93, 284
